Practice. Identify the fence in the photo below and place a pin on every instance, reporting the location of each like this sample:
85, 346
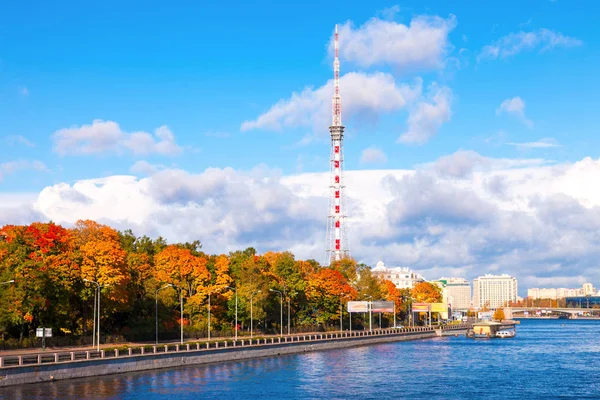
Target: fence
125, 351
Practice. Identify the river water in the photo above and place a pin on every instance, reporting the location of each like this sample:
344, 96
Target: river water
548, 359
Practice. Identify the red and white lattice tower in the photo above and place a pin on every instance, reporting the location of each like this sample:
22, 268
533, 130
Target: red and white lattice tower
337, 242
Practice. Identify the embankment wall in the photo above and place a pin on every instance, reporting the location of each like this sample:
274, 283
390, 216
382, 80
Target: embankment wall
23, 374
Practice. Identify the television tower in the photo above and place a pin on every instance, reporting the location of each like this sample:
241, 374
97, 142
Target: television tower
337, 242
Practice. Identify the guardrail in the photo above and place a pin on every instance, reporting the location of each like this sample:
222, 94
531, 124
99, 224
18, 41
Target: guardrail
137, 351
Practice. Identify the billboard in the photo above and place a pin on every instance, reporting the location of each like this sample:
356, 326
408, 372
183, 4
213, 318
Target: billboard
382, 306
420, 307
358, 306
485, 315
439, 307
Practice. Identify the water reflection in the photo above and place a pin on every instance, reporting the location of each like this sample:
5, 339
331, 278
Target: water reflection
546, 360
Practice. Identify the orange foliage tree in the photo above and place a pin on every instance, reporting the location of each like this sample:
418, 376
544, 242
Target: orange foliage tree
102, 259
178, 266
325, 289
425, 292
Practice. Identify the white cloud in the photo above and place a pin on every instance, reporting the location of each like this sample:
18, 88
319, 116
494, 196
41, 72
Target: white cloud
503, 215
515, 43
362, 95
540, 144
23, 91
423, 44
108, 137
516, 107
11, 167
426, 118
18, 139
373, 155
142, 167
389, 13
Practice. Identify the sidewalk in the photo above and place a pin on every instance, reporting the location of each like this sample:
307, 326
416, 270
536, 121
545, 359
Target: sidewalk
66, 349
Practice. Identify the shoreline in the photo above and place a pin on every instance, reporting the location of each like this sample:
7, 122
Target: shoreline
164, 357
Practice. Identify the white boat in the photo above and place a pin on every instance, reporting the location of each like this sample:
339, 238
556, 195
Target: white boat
505, 334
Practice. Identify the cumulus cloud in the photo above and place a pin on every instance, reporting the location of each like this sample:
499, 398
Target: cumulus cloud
515, 107
363, 95
108, 137
423, 44
11, 167
464, 213
426, 117
515, 43
373, 155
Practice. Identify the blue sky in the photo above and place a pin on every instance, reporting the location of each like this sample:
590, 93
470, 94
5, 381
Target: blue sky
203, 70
471, 127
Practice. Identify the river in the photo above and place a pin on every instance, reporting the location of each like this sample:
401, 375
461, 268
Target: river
548, 359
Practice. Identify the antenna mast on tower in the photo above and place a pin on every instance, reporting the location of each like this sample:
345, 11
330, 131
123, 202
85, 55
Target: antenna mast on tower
337, 242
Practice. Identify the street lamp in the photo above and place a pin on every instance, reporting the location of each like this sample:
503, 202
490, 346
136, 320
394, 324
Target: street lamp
98, 296
7, 282
281, 311
289, 314
180, 310
209, 313
251, 312
341, 311
156, 314
236, 309
370, 314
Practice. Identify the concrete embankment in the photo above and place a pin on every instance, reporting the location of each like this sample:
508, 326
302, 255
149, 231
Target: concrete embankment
156, 357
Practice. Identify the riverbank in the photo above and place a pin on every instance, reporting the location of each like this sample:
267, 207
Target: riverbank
59, 366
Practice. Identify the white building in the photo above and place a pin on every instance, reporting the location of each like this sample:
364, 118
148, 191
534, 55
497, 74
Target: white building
560, 293
456, 293
402, 277
588, 289
494, 291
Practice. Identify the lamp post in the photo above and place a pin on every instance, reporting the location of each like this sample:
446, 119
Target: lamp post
370, 314
156, 308
97, 325
7, 282
209, 314
281, 311
236, 310
180, 310
251, 313
341, 312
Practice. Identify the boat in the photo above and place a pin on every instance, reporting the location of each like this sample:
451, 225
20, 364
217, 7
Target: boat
506, 334
491, 329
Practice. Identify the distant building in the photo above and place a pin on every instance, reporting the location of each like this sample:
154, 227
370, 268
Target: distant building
402, 277
560, 293
588, 289
494, 290
583, 302
456, 293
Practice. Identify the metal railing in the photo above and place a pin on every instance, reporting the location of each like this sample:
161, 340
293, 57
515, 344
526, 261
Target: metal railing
140, 351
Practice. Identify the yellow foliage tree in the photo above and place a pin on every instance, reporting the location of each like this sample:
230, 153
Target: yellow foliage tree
499, 314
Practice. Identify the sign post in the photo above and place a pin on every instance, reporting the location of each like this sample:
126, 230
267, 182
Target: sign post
43, 333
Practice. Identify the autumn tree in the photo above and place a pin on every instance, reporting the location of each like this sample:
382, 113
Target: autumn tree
178, 266
324, 290
425, 292
499, 315
102, 259
38, 258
